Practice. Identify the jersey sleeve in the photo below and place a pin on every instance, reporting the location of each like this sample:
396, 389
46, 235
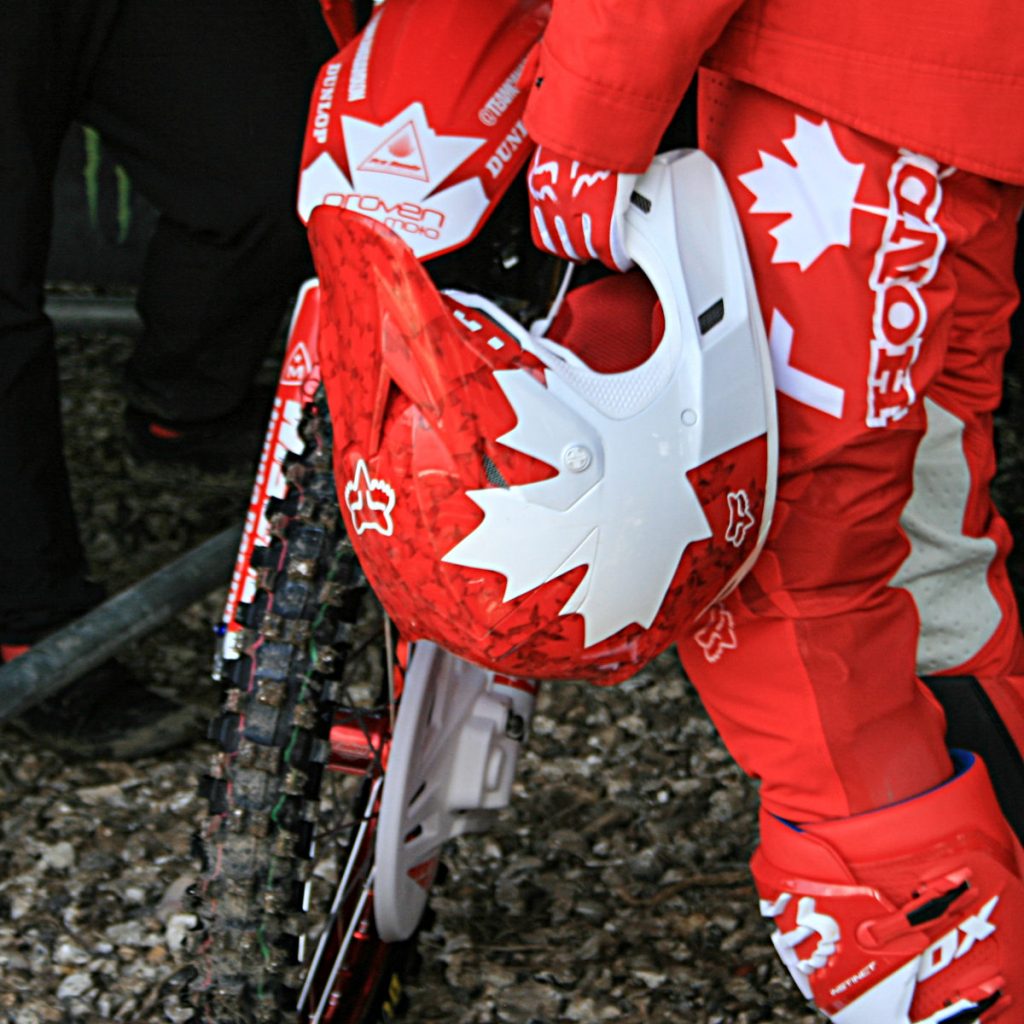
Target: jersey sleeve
610, 74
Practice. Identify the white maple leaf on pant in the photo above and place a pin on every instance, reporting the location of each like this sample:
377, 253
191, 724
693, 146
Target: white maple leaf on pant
620, 504
817, 191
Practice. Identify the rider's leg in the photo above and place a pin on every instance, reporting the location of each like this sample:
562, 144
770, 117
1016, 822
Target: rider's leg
886, 292
969, 649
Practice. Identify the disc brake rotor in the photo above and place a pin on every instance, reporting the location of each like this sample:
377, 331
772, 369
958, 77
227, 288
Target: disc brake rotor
457, 737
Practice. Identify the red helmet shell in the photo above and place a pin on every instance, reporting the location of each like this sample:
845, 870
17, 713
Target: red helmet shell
417, 123
412, 379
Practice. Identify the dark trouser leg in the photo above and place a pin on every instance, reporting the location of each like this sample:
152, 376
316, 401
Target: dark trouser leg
44, 49
205, 104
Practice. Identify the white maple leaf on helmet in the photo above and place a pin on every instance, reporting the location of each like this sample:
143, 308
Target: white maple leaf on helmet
628, 524
818, 193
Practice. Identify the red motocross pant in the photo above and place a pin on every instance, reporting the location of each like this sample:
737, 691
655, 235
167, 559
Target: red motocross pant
886, 283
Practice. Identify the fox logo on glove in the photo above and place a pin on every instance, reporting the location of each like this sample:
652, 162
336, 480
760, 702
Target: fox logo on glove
577, 210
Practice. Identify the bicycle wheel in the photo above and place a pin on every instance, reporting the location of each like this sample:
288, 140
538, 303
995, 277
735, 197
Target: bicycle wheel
285, 896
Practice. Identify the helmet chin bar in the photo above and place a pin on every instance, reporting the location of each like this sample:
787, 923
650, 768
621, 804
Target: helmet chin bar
452, 764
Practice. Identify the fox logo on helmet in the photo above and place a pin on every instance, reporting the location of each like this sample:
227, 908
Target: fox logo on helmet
369, 502
741, 518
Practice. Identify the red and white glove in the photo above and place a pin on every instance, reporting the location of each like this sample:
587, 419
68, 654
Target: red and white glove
577, 211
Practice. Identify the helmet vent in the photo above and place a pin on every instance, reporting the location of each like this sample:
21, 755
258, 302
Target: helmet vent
714, 314
641, 202
493, 474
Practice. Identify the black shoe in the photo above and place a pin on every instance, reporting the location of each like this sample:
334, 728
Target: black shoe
229, 443
107, 714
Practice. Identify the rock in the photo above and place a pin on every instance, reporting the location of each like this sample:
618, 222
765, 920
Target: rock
69, 953
528, 1001
74, 985
108, 794
177, 931
59, 857
652, 979
127, 933
173, 898
175, 1012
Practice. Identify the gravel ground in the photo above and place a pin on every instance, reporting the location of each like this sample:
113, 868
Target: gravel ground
614, 889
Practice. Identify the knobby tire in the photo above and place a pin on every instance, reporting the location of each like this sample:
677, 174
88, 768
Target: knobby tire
281, 826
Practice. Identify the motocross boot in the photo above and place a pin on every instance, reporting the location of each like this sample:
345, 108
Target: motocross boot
911, 914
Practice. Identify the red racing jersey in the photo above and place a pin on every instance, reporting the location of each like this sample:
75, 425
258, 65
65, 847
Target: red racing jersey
942, 77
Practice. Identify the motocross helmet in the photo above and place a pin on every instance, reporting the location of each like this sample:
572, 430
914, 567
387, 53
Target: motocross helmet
556, 502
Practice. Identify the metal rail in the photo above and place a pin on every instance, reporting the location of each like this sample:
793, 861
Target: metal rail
90, 640
93, 313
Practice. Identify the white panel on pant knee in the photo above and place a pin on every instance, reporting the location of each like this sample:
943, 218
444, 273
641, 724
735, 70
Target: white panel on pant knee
946, 572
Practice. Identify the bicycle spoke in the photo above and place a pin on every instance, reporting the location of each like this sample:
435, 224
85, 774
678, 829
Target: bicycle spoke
345, 944
355, 859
